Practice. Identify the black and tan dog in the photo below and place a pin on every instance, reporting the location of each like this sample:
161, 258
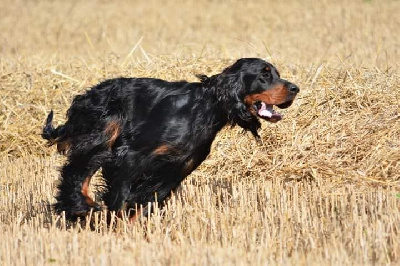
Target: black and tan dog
148, 134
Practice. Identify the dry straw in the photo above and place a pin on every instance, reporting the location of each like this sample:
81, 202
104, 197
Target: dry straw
322, 187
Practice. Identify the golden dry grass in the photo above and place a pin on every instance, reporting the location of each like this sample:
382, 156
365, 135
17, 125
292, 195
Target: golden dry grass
322, 188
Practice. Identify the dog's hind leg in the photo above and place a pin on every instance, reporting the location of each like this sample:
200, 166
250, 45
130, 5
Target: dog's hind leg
73, 189
117, 187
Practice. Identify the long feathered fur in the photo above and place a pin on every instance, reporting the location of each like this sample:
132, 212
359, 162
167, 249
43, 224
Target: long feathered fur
148, 134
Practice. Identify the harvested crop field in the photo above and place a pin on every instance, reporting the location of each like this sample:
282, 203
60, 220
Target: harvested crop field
323, 187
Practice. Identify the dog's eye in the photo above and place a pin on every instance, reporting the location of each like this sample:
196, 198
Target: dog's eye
265, 76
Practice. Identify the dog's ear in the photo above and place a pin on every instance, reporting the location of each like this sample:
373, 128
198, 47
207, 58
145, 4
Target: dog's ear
230, 90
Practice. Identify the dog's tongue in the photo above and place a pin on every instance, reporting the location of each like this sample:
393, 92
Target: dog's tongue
265, 112
268, 111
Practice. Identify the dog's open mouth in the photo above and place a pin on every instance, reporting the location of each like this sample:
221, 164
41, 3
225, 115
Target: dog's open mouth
267, 112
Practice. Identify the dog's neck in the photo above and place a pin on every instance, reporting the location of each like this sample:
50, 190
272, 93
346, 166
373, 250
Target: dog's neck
229, 102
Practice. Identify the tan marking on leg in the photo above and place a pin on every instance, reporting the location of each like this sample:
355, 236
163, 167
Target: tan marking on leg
85, 191
112, 130
63, 147
134, 217
138, 213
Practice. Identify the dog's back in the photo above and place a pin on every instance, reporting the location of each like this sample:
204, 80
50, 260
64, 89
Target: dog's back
93, 116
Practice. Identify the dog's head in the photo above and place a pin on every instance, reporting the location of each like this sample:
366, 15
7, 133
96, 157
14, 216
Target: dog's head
250, 89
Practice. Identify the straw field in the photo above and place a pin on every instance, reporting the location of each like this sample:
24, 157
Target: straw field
323, 187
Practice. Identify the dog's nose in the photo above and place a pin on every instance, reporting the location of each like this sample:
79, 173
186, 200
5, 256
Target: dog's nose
293, 88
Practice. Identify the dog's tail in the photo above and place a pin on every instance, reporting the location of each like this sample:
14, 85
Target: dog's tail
53, 135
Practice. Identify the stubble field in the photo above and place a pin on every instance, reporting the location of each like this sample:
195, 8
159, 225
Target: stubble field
323, 187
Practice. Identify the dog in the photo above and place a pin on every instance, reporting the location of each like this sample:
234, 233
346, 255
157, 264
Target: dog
148, 134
